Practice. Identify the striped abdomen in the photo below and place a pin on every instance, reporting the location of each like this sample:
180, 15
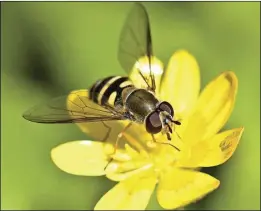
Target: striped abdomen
109, 90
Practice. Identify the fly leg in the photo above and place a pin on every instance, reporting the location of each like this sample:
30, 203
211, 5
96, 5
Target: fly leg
177, 122
117, 143
108, 132
159, 142
119, 137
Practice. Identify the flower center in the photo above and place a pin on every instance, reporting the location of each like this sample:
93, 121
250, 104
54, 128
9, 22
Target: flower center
144, 153
163, 156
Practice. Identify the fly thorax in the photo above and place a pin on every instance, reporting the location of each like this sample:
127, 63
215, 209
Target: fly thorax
141, 103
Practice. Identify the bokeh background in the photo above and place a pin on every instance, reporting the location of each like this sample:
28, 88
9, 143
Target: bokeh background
48, 49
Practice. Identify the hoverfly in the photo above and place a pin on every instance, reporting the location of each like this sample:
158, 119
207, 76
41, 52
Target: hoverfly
136, 105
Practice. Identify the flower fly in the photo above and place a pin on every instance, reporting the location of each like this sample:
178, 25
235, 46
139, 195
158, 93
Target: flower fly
116, 98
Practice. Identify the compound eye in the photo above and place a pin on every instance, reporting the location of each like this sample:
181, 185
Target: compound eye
153, 123
165, 106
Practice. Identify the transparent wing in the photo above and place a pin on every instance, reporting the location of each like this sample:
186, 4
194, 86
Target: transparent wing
73, 108
135, 43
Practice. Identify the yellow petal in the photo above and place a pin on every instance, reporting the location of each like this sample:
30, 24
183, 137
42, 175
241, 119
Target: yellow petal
120, 169
211, 152
117, 171
87, 158
131, 194
221, 147
192, 155
95, 130
143, 66
181, 83
213, 108
178, 188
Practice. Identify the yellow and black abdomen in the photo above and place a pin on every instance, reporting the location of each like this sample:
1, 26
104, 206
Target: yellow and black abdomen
108, 90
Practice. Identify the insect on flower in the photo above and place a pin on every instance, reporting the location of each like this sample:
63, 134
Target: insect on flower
116, 97
141, 168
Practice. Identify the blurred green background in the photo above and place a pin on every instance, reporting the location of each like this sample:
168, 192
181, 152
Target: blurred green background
48, 49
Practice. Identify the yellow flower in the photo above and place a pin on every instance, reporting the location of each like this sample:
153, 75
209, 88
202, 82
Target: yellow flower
140, 165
